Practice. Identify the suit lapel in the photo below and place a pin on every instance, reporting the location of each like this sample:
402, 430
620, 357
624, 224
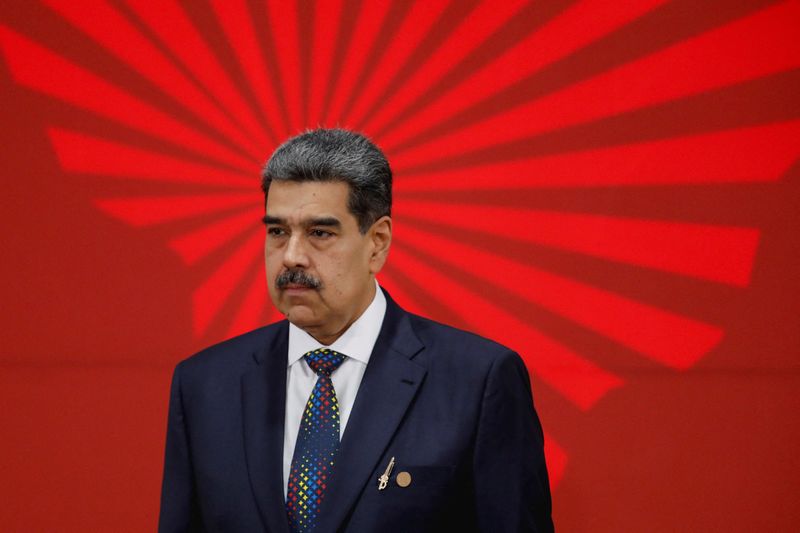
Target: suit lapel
263, 408
389, 385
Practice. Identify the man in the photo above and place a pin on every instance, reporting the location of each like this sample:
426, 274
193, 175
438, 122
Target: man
351, 415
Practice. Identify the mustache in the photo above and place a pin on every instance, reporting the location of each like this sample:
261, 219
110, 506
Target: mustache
297, 277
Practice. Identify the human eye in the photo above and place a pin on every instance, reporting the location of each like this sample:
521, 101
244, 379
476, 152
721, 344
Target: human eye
275, 231
320, 233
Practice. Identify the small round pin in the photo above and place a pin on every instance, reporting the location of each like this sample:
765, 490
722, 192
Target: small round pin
403, 479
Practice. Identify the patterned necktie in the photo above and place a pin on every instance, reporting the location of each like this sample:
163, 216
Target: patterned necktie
317, 444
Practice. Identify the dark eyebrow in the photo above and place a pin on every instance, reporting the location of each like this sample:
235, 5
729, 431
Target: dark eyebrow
325, 221
269, 220
331, 222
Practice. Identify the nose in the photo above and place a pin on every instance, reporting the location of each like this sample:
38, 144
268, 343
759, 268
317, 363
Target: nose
295, 255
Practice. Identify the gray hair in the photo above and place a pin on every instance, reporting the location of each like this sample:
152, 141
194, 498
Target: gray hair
336, 155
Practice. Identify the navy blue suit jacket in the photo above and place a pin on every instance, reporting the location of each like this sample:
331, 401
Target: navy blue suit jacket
453, 409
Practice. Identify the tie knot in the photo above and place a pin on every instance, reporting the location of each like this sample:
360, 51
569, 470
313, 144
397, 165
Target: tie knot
324, 361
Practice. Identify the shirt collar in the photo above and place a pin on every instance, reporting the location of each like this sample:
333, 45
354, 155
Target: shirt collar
356, 342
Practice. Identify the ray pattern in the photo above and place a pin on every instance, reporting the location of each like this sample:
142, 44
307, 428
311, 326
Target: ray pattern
326, 29
212, 294
239, 27
575, 377
670, 339
195, 245
482, 22
285, 36
389, 277
86, 154
370, 19
414, 295
111, 30
170, 23
716, 59
468, 100
160, 209
44, 71
250, 314
580, 24
416, 25
716, 253
753, 154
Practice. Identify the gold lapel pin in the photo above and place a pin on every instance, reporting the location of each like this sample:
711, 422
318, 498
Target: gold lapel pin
384, 479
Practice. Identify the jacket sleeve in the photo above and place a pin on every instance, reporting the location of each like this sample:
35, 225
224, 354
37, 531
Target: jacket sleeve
179, 510
512, 490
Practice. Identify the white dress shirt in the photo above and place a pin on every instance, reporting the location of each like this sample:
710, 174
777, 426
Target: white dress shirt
356, 343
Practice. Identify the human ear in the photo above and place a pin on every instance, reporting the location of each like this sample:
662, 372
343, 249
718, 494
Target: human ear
380, 235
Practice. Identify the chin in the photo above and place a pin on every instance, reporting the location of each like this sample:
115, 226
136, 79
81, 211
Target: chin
301, 316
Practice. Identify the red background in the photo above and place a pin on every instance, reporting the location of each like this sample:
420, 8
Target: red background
609, 188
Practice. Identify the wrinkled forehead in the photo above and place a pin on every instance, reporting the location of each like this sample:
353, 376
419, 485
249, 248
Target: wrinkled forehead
298, 203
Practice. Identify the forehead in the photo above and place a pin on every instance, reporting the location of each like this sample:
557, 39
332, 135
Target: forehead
302, 199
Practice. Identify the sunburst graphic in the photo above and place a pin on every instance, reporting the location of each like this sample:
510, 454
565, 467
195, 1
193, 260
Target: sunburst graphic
509, 125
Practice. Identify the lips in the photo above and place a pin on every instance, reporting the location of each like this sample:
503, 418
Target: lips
294, 287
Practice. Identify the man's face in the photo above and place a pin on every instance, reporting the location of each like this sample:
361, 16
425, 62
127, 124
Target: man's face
320, 268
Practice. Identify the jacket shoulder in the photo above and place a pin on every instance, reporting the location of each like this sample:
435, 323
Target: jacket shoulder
232, 354
467, 346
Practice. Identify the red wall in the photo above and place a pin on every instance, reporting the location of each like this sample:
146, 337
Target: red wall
611, 188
